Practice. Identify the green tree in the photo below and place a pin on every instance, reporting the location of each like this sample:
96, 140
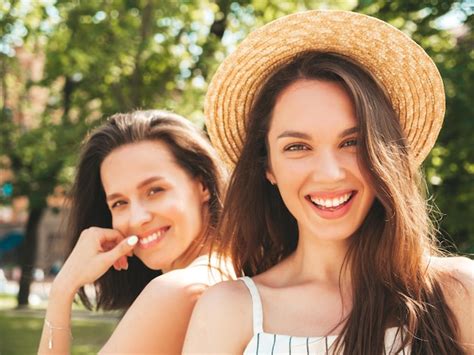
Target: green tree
36, 151
104, 57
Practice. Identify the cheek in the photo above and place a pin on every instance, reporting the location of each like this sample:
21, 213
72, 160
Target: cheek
290, 177
289, 170
173, 205
119, 221
180, 207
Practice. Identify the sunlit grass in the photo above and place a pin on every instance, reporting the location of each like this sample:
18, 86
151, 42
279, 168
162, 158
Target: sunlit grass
20, 333
7, 301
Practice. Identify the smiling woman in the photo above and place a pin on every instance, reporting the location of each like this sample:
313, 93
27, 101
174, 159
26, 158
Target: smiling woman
145, 204
154, 202
314, 162
325, 117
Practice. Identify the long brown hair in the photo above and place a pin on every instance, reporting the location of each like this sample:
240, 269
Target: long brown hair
391, 280
193, 153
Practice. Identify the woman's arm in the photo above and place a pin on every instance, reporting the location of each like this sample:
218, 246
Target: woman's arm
95, 252
221, 321
157, 320
56, 335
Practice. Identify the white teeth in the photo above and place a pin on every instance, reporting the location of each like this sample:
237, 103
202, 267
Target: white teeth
335, 202
151, 237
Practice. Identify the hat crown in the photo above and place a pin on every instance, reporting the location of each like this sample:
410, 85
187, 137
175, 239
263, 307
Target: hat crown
403, 69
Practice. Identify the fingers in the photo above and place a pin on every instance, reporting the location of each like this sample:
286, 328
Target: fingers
117, 255
109, 235
118, 264
121, 263
105, 236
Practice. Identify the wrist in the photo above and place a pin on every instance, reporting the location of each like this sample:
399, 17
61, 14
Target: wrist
63, 288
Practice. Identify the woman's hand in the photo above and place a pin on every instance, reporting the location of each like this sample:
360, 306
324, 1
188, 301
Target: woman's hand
97, 249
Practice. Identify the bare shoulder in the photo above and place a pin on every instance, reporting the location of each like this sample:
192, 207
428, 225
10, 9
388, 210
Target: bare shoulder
221, 321
456, 270
164, 307
226, 300
180, 284
457, 283
224, 290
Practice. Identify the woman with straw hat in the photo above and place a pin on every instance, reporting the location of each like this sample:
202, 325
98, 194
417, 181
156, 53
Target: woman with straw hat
325, 117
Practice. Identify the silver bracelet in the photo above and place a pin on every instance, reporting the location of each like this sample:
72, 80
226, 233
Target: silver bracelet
50, 332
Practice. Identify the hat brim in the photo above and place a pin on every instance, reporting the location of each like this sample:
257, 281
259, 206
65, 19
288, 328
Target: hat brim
407, 74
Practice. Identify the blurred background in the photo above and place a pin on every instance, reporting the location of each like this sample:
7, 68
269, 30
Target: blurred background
66, 65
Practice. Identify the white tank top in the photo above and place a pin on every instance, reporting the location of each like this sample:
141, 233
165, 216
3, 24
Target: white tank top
269, 343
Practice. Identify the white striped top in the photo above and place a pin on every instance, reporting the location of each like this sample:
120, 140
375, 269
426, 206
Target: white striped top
269, 343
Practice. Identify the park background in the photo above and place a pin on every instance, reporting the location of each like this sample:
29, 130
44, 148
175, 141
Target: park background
66, 65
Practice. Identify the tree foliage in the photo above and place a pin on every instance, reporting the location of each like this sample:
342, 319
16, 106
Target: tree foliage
109, 56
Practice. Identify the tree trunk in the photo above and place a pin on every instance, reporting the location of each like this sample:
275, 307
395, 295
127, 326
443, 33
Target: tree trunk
28, 255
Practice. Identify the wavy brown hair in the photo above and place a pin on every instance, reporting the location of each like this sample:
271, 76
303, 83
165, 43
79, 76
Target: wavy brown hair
192, 152
392, 282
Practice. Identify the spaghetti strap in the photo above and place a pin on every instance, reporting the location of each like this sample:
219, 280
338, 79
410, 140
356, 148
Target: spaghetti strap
257, 312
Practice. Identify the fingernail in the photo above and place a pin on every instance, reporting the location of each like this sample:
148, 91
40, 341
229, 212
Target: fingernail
132, 240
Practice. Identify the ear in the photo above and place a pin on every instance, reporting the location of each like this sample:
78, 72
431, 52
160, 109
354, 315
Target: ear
204, 192
270, 176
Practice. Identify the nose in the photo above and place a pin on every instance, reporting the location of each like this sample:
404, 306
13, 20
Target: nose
139, 215
328, 167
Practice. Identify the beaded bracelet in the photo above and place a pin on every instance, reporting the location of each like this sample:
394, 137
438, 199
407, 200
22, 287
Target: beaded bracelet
50, 332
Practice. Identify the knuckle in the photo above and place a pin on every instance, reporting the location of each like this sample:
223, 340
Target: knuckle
124, 247
90, 230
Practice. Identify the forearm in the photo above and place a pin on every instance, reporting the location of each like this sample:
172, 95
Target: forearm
56, 335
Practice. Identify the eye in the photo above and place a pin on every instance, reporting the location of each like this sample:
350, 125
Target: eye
154, 190
349, 143
117, 204
295, 147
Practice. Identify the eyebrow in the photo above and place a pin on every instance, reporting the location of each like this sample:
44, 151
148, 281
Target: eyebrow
302, 135
294, 134
349, 131
139, 186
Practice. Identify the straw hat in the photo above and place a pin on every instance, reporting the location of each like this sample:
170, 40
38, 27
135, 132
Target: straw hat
408, 74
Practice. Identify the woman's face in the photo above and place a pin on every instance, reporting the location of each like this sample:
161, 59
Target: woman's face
152, 197
313, 160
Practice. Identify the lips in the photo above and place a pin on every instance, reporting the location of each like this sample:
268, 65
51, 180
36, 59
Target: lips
331, 205
149, 239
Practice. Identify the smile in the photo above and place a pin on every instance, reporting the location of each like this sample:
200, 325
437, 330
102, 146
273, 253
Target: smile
153, 238
331, 203
331, 206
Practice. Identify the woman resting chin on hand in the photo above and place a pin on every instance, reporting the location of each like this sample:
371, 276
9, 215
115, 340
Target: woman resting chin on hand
145, 204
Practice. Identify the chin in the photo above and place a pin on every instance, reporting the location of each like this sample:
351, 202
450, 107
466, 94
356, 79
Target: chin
154, 264
335, 234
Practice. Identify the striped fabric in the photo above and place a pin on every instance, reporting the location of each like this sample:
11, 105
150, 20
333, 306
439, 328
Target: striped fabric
268, 343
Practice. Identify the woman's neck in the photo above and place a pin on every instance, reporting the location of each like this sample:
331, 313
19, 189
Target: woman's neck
194, 251
321, 260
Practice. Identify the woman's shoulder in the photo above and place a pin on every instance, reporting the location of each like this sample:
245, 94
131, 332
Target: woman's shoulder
177, 284
456, 277
163, 307
188, 283
221, 320
224, 301
455, 270
227, 294
457, 283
